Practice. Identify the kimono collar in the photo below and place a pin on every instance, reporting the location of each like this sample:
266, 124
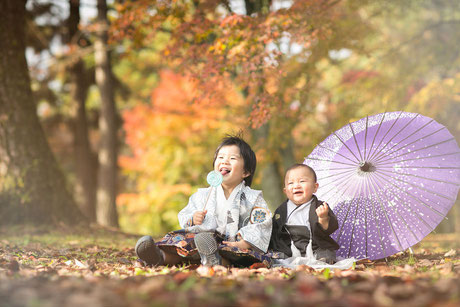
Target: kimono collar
291, 206
232, 195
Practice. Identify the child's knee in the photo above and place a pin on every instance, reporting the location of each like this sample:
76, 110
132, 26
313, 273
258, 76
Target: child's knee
325, 255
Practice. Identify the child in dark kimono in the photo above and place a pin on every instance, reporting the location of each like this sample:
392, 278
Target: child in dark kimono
236, 223
303, 218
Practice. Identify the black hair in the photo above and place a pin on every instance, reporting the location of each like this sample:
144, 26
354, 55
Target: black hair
298, 165
249, 157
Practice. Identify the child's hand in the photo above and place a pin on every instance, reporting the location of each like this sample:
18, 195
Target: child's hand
322, 211
198, 217
240, 244
323, 215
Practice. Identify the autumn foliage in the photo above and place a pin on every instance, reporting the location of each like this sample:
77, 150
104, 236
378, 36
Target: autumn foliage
209, 39
172, 142
301, 70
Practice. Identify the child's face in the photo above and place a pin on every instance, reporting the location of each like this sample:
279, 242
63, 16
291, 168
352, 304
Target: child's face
299, 185
230, 164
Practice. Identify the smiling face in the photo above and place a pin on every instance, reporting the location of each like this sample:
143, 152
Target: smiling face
299, 185
230, 164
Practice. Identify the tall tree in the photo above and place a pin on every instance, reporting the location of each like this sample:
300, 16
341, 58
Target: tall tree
23, 146
85, 158
107, 176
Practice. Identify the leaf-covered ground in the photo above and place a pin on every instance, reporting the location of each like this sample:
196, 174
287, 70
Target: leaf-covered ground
96, 267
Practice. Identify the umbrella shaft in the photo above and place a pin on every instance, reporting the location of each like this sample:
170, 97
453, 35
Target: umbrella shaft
366, 166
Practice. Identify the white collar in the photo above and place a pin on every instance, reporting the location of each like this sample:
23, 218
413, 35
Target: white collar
298, 215
292, 206
231, 198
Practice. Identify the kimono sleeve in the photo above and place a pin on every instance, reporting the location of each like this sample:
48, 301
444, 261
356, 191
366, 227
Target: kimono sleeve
196, 203
258, 233
186, 214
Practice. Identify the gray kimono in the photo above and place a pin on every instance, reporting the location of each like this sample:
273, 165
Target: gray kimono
248, 216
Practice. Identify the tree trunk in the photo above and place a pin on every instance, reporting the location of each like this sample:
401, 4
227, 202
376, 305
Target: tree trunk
287, 152
107, 174
272, 180
23, 147
272, 185
85, 159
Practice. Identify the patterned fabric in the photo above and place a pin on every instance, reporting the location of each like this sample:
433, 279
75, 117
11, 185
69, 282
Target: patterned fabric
257, 234
259, 215
181, 243
243, 257
274, 255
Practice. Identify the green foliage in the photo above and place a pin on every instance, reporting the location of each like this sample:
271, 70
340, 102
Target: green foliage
411, 260
327, 273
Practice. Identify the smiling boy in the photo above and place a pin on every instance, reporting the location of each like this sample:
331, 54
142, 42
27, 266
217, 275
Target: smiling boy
302, 217
231, 221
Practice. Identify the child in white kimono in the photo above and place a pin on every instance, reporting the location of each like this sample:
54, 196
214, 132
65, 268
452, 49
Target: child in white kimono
236, 223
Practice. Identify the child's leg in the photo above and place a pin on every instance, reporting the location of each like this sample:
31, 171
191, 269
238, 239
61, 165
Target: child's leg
207, 248
172, 259
147, 251
226, 262
325, 255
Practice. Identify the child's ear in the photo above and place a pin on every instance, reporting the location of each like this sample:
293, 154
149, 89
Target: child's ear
316, 187
284, 190
246, 174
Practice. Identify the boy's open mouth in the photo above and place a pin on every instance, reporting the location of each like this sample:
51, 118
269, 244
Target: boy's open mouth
224, 171
298, 193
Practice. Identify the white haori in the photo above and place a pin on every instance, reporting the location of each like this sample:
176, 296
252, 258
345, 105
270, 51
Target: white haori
227, 211
232, 216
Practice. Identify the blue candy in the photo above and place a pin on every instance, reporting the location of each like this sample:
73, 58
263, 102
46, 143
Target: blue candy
214, 178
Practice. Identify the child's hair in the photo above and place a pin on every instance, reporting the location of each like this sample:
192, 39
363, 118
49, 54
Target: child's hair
298, 165
249, 157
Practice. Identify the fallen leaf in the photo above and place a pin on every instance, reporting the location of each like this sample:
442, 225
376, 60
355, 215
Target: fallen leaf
258, 265
424, 262
179, 277
205, 271
13, 265
451, 253
80, 264
124, 260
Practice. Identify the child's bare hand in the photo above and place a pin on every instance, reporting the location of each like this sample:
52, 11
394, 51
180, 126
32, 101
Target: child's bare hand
322, 211
198, 217
240, 244
323, 215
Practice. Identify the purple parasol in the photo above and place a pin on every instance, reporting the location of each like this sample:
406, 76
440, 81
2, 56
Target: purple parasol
390, 178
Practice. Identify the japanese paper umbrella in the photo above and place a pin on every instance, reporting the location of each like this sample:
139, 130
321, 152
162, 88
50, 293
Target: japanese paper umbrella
390, 179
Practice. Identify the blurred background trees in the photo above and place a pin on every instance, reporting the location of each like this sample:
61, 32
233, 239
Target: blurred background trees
178, 75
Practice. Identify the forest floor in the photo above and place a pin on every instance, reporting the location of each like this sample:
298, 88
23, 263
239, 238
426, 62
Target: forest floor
97, 267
